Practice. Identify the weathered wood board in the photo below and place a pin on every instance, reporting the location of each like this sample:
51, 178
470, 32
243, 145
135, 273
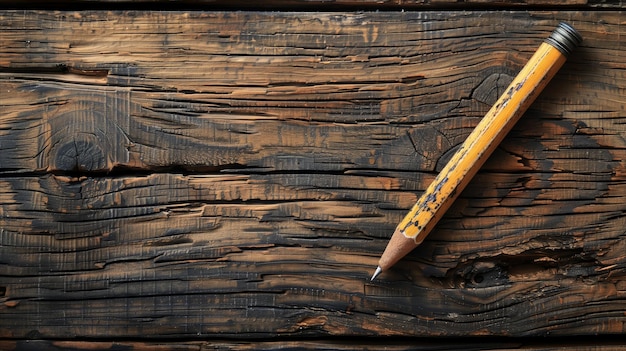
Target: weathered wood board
316, 5
184, 175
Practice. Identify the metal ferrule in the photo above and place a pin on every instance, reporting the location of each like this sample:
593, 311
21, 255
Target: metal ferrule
564, 38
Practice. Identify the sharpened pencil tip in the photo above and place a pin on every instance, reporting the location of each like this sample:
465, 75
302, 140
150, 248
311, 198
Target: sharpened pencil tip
376, 273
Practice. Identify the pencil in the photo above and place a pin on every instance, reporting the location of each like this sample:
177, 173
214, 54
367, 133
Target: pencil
479, 145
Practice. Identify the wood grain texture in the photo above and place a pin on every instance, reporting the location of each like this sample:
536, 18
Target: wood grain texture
184, 175
302, 5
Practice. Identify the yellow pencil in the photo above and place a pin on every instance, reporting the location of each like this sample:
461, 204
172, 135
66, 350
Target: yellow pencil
479, 145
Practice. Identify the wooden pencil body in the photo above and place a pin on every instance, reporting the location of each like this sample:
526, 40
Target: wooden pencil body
472, 154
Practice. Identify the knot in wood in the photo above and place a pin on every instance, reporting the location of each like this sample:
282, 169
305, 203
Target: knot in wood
82, 153
480, 274
490, 89
86, 132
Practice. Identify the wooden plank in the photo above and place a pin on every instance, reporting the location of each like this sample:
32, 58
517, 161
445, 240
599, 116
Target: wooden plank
252, 84
187, 175
312, 5
527, 344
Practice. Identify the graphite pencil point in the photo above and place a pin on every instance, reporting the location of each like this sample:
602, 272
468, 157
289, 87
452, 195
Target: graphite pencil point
376, 273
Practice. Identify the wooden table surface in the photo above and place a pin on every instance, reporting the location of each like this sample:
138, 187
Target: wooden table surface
208, 178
